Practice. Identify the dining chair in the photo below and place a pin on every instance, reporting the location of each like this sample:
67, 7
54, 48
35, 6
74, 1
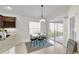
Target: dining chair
71, 47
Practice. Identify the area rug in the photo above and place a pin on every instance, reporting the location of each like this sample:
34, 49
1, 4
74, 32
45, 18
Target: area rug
31, 47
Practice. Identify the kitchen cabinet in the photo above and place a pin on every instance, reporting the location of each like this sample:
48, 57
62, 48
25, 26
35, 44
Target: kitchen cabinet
8, 22
1, 22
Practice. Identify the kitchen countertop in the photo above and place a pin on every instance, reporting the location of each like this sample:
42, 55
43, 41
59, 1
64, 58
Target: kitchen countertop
8, 43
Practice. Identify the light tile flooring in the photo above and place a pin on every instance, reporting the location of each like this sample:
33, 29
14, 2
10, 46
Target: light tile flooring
56, 49
21, 48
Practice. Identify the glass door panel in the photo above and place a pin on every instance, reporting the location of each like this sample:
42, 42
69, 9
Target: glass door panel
56, 32
60, 33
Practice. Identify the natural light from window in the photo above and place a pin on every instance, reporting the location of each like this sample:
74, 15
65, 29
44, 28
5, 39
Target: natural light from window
34, 27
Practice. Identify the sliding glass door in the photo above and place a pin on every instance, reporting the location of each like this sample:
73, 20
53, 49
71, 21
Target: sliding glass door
60, 33
56, 32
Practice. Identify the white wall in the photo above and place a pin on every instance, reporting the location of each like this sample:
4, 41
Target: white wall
74, 11
66, 30
22, 26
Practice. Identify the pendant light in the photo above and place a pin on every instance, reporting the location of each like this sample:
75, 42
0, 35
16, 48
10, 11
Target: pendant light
42, 19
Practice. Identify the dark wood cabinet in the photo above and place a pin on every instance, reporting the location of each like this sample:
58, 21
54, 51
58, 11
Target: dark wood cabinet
8, 22
1, 22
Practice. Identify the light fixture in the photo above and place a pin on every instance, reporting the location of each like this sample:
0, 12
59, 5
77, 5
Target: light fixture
8, 8
42, 19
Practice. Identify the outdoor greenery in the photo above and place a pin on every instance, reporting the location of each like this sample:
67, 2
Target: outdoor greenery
52, 34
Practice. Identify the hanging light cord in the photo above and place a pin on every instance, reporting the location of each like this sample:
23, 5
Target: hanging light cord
42, 19
42, 11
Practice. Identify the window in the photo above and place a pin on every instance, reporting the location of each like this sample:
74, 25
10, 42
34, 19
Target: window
34, 27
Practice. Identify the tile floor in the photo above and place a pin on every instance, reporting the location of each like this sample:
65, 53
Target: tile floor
31, 46
55, 49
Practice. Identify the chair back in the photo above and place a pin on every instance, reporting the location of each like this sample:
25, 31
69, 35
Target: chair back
71, 47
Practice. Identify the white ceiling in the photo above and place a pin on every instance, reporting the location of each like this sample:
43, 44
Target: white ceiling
34, 10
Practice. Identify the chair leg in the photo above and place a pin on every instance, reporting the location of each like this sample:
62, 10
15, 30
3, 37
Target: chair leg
32, 43
42, 43
39, 43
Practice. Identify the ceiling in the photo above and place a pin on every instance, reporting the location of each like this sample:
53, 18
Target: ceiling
35, 10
